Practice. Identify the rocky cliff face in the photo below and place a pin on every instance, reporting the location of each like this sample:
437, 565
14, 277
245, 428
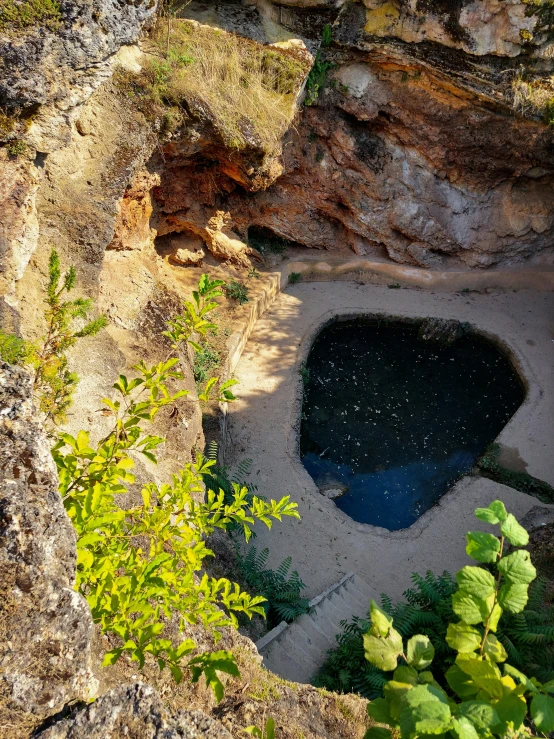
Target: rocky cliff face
423, 145
404, 153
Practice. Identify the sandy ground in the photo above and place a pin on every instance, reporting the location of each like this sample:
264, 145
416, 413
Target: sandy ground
264, 424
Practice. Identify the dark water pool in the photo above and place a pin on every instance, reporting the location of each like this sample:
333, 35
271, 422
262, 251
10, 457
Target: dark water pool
398, 420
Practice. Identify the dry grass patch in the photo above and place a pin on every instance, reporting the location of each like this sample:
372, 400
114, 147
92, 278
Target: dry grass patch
246, 89
534, 97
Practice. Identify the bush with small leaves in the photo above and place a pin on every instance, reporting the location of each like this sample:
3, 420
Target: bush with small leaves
137, 565
237, 291
486, 696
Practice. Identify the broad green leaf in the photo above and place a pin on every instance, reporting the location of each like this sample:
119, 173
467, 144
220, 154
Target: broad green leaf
542, 711
476, 581
380, 621
548, 687
461, 683
463, 638
513, 597
482, 547
482, 715
378, 732
510, 708
523, 679
394, 694
431, 717
485, 675
517, 567
494, 617
420, 652
383, 652
494, 649
379, 710
463, 728
515, 533
467, 607
111, 657
495, 513
177, 673
405, 674
486, 515
424, 694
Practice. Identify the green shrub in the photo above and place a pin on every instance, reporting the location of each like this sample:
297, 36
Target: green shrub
480, 695
53, 383
13, 349
317, 79
237, 291
136, 565
281, 590
16, 148
205, 360
140, 567
295, 277
528, 637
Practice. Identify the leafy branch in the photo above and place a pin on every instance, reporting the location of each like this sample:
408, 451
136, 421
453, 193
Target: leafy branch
488, 697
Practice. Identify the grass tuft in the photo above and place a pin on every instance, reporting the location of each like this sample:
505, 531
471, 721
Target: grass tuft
247, 90
534, 97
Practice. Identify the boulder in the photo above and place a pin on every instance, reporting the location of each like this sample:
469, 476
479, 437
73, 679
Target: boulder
134, 712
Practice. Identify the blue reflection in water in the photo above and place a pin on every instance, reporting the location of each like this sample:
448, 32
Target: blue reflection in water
394, 498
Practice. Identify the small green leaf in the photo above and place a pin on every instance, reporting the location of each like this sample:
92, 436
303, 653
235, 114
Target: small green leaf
495, 513
177, 673
482, 547
542, 711
486, 515
515, 533
380, 621
463, 638
513, 597
420, 652
517, 567
110, 658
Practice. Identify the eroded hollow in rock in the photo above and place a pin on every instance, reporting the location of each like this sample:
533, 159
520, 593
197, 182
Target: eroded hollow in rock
394, 413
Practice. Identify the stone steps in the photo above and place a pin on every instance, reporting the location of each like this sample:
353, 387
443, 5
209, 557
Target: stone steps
296, 651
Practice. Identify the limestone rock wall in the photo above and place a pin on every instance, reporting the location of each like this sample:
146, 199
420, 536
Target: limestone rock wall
45, 626
412, 150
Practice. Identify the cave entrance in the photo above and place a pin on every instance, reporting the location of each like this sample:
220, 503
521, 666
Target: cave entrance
394, 413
